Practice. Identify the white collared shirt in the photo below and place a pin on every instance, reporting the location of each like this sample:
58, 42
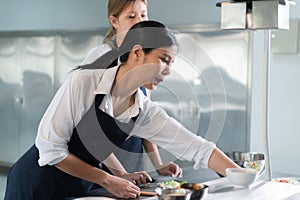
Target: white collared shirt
76, 96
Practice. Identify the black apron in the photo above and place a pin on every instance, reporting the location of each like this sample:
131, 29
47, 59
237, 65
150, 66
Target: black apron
27, 180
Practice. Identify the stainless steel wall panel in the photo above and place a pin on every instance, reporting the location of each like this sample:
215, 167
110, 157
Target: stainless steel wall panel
32, 67
10, 102
70, 52
208, 87
207, 91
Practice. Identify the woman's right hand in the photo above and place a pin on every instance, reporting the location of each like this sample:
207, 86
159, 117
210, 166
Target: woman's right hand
121, 187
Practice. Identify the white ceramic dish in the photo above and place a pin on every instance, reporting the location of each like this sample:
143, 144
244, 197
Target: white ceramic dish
94, 198
241, 177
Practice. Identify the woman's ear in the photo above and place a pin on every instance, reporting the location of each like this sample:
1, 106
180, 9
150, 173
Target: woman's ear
137, 52
113, 21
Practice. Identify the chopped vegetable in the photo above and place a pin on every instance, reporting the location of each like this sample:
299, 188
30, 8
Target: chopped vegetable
253, 165
170, 184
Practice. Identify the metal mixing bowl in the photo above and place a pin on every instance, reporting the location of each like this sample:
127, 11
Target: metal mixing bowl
250, 160
174, 194
200, 191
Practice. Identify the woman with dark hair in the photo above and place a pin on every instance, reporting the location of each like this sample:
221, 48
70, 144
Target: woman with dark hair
96, 111
123, 14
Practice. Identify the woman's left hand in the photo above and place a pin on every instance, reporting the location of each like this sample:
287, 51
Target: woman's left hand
170, 169
137, 178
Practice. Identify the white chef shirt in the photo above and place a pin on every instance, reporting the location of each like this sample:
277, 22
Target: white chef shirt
75, 97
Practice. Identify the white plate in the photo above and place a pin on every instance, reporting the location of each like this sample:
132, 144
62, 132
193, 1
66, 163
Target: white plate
93, 198
290, 180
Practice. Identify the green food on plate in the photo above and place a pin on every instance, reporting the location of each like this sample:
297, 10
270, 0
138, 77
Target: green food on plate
170, 184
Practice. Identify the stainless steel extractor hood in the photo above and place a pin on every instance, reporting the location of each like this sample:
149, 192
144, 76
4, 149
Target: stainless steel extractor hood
258, 14
255, 14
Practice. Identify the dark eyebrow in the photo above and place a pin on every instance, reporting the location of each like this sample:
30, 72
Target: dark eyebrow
133, 12
168, 55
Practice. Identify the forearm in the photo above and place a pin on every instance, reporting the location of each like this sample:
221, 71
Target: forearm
169, 169
76, 167
153, 153
114, 165
218, 162
113, 184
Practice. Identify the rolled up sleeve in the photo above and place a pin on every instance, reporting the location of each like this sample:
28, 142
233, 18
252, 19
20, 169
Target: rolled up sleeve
63, 114
170, 135
55, 129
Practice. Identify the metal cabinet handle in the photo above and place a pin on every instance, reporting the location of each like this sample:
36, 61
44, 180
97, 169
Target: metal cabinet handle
19, 100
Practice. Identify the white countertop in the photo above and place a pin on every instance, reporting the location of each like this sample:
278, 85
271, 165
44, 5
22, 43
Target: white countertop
221, 188
262, 190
